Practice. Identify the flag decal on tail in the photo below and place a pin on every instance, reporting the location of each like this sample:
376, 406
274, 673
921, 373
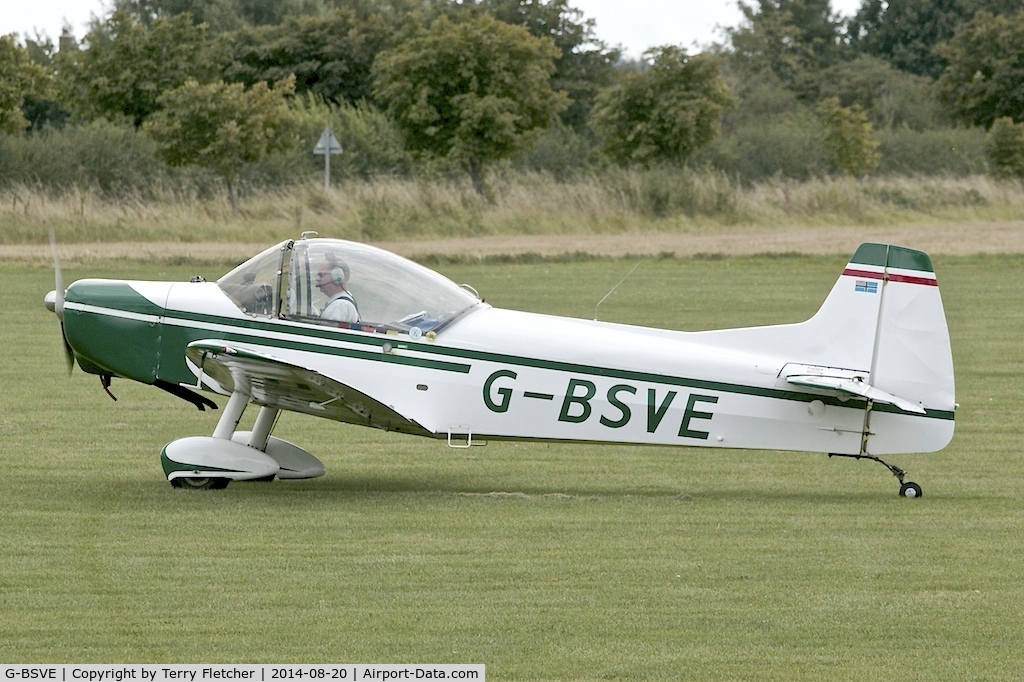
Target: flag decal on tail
863, 286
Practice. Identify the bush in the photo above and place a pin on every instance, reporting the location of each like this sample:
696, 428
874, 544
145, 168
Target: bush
372, 144
848, 142
756, 151
562, 152
1004, 146
116, 160
957, 152
113, 159
667, 191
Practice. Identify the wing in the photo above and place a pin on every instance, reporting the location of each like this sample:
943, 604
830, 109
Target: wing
286, 386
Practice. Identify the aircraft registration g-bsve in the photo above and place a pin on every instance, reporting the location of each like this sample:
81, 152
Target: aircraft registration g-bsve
356, 334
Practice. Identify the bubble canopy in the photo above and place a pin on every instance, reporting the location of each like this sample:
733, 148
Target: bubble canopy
389, 291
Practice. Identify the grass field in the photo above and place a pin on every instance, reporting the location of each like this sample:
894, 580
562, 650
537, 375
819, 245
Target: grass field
541, 561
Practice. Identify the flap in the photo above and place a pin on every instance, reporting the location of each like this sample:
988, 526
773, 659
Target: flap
276, 383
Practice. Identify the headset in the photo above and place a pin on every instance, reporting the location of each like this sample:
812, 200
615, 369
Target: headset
339, 274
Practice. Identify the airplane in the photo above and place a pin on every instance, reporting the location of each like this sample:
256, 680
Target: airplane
868, 376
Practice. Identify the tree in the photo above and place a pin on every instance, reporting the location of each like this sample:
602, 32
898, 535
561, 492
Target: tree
791, 38
223, 126
1004, 146
664, 113
474, 92
40, 105
127, 66
19, 77
585, 64
984, 78
218, 15
905, 33
330, 56
847, 140
891, 98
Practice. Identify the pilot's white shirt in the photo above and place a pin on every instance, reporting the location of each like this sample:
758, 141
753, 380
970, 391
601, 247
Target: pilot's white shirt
340, 308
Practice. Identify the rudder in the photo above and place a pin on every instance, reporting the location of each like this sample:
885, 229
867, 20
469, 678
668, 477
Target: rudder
913, 357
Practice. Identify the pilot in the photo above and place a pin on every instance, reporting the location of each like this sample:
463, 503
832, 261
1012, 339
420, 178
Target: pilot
332, 280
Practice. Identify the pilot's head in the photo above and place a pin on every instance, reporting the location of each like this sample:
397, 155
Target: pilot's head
332, 276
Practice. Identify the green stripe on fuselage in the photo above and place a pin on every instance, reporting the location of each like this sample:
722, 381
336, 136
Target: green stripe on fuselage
174, 369
666, 380
177, 331
180, 333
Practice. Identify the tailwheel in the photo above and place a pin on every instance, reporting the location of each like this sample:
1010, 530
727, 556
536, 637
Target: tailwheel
199, 483
907, 488
910, 489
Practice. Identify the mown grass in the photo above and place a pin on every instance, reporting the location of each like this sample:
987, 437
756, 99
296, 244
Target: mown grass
615, 202
541, 561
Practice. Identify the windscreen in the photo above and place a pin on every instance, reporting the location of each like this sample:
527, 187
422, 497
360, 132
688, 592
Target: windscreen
254, 285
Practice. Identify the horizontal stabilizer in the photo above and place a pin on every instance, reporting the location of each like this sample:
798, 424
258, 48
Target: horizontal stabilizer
854, 386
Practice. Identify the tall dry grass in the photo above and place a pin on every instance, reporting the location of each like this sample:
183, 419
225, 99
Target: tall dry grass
614, 202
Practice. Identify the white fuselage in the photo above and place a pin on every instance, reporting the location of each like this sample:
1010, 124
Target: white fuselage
504, 374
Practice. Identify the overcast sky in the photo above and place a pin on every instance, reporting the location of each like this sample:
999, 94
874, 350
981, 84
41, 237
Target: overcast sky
634, 24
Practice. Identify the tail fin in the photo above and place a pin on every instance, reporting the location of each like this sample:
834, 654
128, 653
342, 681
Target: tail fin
880, 340
881, 334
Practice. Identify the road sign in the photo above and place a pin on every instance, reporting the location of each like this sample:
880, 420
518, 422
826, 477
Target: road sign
327, 144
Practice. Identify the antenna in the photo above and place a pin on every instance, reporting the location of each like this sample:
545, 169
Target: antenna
617, 285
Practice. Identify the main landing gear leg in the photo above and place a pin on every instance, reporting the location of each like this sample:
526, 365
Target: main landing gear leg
907, 488
262, 428
231, 455
231, 415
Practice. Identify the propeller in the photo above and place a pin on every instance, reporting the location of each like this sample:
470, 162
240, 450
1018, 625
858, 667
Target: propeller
56, 303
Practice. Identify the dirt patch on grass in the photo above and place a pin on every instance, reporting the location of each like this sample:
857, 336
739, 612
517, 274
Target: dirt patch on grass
197, 253
950, 239
1007, 237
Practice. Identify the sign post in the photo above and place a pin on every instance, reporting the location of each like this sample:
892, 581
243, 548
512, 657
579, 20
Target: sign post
327, 144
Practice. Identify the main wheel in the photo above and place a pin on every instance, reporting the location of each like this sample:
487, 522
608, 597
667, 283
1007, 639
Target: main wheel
195, 483
910, 489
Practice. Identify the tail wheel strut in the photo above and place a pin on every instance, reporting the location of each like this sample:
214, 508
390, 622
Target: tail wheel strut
907, 488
